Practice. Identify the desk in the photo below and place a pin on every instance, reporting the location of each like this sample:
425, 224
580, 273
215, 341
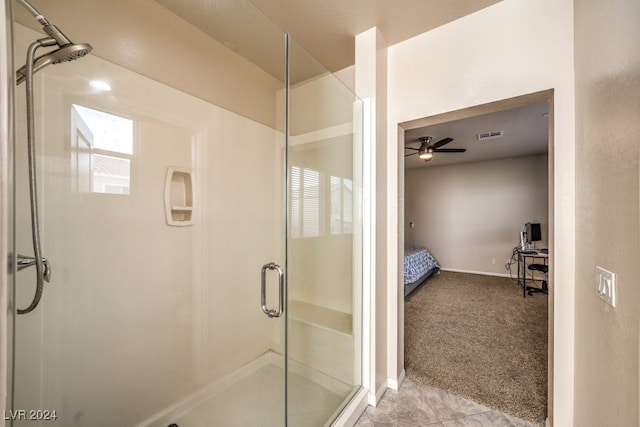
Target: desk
522, 266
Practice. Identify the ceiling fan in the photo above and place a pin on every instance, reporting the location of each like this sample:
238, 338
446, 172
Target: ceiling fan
426, 150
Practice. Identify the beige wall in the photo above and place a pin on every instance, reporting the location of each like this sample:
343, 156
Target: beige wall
607, 67
498, 53
470, 215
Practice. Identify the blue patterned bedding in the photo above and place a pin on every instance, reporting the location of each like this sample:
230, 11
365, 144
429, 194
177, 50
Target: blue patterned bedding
418, 261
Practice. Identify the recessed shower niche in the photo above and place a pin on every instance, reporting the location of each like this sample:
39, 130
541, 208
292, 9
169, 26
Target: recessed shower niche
178, 196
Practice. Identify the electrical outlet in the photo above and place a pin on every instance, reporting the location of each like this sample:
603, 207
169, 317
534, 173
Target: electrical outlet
493, 261
606, 285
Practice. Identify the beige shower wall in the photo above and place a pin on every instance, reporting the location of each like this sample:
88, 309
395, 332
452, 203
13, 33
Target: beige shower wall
321, 267
318, 105
470, 215
322, 115
241, 174
148, 39
146, 311
607, 69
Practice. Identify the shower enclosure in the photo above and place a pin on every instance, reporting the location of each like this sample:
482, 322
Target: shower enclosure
199, 182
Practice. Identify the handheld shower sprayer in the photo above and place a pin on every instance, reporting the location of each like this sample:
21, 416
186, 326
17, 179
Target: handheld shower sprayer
66, 51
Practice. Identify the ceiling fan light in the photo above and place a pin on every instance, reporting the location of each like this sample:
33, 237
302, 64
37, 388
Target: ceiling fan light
426, 155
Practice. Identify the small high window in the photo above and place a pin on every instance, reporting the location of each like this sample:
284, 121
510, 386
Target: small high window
102, 147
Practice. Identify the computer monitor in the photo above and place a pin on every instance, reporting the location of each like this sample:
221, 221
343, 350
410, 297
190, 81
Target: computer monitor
533, 232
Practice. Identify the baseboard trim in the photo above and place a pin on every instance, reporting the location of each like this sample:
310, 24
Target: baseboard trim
395, 384
375, 398
381, 391
484, 273
401, 378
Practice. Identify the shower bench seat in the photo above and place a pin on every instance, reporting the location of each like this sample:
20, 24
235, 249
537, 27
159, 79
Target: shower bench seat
323, 317
322, 339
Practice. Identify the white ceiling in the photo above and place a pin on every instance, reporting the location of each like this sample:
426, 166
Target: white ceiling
324, 28
526, 132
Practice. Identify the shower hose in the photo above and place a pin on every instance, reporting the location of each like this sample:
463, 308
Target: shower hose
33, 188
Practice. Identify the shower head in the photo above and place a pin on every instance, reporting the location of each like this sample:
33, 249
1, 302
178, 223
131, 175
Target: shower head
67, 51
63, 54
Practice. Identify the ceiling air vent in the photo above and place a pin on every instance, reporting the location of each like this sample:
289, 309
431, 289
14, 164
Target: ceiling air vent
489, 135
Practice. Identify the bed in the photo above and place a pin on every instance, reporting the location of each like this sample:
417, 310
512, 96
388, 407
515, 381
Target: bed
419, 264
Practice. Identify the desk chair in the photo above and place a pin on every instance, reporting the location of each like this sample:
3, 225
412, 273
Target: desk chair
542, 268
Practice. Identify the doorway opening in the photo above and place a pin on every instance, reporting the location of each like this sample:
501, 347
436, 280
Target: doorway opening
445, 177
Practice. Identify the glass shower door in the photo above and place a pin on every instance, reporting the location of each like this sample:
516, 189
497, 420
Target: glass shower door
324, 247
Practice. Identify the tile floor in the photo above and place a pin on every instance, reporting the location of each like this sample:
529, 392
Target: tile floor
416, 405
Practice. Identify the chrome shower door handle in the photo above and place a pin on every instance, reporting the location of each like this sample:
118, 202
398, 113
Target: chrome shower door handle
263, 290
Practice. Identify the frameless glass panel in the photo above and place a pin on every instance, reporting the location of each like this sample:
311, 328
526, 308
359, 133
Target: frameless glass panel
160, 202
324, 258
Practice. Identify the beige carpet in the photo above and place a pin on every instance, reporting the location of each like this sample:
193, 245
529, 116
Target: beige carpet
475, 336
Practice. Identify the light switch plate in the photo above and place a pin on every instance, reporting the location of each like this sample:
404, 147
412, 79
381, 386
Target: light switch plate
606, 285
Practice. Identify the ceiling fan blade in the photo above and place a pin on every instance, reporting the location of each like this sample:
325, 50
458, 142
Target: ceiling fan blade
449, 150
441, 143
412, 154
411, 148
